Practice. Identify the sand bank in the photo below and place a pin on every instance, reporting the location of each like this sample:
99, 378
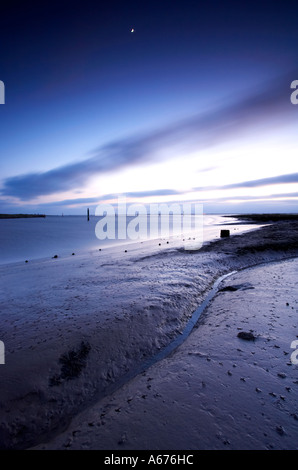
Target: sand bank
216, 391
72, 328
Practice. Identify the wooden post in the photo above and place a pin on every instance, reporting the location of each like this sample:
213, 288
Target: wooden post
224, 233
2, 353
88, 217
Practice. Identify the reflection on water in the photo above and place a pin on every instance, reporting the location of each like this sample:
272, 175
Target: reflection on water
35, 238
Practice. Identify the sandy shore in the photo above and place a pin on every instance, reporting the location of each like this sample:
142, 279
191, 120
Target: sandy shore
72, 328
216, 391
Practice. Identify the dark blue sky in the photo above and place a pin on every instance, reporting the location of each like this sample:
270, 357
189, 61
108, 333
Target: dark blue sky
194, 104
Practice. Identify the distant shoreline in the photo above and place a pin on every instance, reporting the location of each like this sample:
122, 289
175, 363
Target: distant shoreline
20, 216
264, 218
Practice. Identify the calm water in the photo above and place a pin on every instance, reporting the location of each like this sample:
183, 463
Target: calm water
35, 238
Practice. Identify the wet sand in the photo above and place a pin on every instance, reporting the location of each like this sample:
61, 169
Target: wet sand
73, 328
216, 391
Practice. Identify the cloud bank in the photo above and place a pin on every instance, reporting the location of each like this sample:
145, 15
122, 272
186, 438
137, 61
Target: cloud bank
197, 132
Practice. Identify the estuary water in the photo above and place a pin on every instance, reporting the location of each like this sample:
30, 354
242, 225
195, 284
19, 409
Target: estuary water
34, 238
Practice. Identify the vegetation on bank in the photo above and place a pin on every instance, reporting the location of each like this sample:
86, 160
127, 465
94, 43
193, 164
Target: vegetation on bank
265, 217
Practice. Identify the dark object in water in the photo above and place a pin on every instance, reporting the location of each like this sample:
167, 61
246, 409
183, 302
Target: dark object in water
224, 233
246, 335
26, 261
73, 254
55, 257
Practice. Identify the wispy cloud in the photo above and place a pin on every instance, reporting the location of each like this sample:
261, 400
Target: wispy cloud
197, 132
113, 196
264, 197
282, 179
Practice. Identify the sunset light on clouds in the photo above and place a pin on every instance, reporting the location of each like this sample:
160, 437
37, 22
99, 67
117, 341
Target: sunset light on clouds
193, 109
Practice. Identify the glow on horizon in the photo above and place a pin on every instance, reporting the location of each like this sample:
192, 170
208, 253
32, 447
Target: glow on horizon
188, 166
184, 174
227, 164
